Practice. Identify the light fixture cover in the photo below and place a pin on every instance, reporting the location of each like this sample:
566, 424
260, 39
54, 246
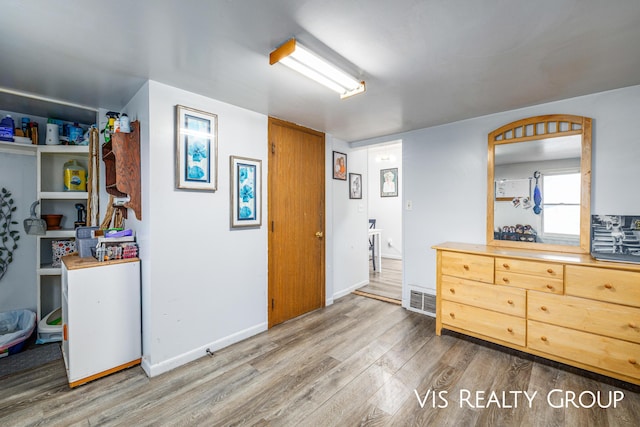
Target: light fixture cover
302, 60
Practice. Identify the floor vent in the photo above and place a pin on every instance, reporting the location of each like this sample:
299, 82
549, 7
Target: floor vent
423, 302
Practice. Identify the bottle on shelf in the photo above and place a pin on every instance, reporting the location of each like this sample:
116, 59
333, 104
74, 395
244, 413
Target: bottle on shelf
7, 129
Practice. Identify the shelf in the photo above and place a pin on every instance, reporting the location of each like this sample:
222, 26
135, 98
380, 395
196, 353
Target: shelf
48, 270
65, 149
121, 157
63, 195
54, 234
17, 148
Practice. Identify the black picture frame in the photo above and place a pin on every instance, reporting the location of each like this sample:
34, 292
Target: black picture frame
355, 186
339, 166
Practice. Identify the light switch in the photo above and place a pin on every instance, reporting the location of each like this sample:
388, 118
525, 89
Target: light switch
409, 205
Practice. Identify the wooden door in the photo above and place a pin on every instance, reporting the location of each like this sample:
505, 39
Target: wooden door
296, 221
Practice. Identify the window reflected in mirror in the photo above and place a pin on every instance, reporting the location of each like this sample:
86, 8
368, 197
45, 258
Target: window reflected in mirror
539, 172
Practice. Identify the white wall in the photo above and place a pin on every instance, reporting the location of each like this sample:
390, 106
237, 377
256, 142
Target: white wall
445, 174
387, 211
204, 285
18, 286
348, 224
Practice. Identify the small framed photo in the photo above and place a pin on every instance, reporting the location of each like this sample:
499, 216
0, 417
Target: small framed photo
389, 182
339, 166
246, 192
196, 149
355, 186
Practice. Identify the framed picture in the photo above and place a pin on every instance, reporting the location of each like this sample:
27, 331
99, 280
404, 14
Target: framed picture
339, 166
389, 182
246, 192
196, 149
355, 186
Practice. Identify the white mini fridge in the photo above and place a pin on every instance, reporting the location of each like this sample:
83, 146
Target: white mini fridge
101, 317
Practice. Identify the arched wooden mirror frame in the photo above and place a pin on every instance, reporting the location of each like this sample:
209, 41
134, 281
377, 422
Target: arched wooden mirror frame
537, 128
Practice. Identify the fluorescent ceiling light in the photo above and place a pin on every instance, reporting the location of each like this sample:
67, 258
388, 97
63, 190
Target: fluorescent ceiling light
301, 59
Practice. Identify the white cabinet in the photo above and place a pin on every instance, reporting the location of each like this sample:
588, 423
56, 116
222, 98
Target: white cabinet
50, 160
101, 317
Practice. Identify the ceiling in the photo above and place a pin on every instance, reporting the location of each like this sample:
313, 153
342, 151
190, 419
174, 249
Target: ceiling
425, 62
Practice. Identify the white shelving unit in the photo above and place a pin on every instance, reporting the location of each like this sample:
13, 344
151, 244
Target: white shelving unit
14, 148
50, 192
50, 160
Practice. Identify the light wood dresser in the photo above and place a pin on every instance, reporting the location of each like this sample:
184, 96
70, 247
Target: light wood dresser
564, 307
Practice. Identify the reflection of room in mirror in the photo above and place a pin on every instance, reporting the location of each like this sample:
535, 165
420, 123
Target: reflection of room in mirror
514, 181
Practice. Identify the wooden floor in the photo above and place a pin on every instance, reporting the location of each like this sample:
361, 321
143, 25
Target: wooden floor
387, 283
357, 362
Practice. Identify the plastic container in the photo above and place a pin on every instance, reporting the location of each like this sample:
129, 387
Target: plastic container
7, 129
84, 241
125, 124
75, 134
75, 176
15, 328
53, 134
50, 327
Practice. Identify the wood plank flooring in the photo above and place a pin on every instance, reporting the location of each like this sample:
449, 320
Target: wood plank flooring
358, 362
386, 284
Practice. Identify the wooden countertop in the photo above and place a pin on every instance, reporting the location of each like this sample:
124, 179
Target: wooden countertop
74, 262
561, 257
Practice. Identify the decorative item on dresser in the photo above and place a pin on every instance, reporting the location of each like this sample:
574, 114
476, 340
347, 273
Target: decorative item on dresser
564, 307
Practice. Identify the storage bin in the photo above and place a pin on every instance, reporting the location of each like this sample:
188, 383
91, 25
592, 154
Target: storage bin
84, 242
49, 328
15, 328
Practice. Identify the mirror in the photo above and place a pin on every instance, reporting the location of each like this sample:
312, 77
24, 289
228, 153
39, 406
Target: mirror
539, 184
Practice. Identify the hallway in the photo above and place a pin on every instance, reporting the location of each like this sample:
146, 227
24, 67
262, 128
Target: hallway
385, 285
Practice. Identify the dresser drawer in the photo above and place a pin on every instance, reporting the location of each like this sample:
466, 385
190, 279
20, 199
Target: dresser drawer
536, 268
473, 267
604, 284
485, 322
498, 298
526, 281
587, 315
605, 353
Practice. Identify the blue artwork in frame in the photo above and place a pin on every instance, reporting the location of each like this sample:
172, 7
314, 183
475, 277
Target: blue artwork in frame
246, 192
196, 149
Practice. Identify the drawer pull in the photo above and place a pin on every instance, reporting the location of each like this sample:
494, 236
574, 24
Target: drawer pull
453, 315
453, 291
550, 270
633, 325
633, 361
505, 279
506, 266
543, 338
608, 286
510, 330
466, 267
510, 301
550, 287
543, 308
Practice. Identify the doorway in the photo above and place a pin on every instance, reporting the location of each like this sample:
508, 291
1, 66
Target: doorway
296, 221
385, 207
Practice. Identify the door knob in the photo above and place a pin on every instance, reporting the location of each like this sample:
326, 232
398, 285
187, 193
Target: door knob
319, 234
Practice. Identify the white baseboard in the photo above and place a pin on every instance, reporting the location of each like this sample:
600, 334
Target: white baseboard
190, 356
350, 289
392, 256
